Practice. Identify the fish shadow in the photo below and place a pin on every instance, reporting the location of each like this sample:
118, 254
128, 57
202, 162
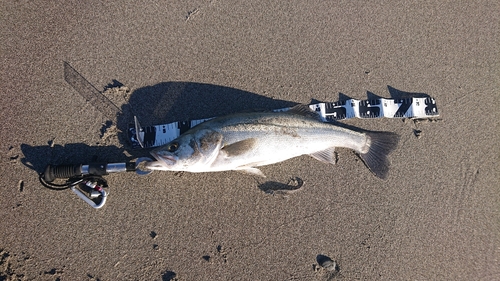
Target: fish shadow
168, 102
161, 103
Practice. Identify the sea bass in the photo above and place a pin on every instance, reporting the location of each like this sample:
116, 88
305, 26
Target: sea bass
244, 141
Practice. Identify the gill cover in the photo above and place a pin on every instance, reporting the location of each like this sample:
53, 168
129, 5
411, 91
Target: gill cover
206, 142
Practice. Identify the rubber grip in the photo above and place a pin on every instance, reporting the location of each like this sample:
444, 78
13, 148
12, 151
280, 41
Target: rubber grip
61, 172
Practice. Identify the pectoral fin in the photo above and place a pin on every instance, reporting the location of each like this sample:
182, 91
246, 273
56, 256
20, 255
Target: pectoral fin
240, 147
328, 155
252, 171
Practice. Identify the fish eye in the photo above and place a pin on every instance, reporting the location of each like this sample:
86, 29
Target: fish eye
173, 147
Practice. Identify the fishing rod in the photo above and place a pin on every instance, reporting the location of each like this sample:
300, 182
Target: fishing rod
86, 180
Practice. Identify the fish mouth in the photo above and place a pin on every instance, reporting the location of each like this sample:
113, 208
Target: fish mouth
164, 162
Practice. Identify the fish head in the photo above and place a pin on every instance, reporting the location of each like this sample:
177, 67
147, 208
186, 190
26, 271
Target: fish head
193, 151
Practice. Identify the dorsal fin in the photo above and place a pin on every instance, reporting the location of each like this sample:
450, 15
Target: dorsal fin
304, 110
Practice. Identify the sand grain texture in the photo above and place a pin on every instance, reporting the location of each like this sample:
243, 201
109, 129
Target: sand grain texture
436, 217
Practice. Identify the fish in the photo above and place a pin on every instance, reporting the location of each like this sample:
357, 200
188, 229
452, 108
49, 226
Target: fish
244, 141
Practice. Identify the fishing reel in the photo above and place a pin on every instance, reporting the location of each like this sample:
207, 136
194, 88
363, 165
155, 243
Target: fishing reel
87, 181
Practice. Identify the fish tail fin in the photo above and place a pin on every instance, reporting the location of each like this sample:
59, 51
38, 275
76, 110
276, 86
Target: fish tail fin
380, 144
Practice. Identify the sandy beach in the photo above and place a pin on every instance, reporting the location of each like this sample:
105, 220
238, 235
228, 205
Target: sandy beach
435, 217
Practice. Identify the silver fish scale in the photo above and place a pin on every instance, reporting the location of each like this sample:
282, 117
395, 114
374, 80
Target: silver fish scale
280, 138
249, 140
